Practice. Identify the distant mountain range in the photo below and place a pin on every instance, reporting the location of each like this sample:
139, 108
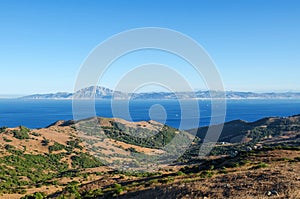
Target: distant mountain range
105, 93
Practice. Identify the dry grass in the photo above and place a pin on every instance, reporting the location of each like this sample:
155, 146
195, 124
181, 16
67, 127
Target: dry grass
282, 176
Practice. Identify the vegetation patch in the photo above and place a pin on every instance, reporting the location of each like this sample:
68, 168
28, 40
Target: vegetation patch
3, 129
22, 133
260, 165
84, 160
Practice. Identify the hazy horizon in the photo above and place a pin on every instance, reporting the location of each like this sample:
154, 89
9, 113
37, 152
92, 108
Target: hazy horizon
8, 96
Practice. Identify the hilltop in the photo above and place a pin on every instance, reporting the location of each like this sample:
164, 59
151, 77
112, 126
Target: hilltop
68, 159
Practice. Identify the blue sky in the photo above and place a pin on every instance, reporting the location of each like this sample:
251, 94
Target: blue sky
255, 44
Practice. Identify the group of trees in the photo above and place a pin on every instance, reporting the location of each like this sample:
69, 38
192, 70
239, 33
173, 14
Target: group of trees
22, 133
158, 140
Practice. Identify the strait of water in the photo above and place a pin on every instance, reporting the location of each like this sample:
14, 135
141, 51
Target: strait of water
41, 113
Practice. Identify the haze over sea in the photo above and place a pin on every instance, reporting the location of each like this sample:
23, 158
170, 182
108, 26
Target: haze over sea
41, 113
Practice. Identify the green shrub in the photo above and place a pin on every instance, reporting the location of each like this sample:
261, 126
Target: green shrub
36, 134
45, 142
74, 144
36, 195
260, 165
24, 129
9, 147
6, 139
93, 193
21, 134
206, 174
84, 160
72, 189
117, 188
297, 159
56, 147
132, 150
3, 129
180, 173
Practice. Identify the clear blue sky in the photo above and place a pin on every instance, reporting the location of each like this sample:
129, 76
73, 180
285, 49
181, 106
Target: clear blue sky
254, 43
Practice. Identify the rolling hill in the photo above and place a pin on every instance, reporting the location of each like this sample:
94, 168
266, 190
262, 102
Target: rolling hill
118, 158
241, 131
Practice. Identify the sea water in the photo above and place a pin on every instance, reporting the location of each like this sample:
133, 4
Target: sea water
41, 113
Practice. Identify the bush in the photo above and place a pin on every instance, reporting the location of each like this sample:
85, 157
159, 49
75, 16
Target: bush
297, 159
72, 189
9, 147
93, 193
132, 150
180, 173
36, 134
36, 195
24, 129
117, 188
21, 134
206, 174
45, 142
3, 129
260, 165
6, 139
74, 144
85, 161
56, 147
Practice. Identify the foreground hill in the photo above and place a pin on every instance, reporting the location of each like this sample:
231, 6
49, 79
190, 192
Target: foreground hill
240, 135
67, 160
265, 173
47, 159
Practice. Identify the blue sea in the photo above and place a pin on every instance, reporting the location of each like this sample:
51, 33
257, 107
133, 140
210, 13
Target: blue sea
41, 113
